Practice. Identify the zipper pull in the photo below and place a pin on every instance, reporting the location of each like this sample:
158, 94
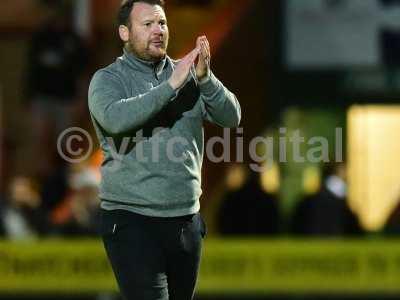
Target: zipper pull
155, 71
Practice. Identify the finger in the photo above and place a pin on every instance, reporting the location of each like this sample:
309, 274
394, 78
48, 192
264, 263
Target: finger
206, 43
203, 50
198, 41
201, 39
208, 48
205, 53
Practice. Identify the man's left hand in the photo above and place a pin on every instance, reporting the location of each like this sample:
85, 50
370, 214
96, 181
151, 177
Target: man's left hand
203, 64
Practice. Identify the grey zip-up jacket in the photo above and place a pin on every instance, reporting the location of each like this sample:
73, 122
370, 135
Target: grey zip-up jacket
147, 171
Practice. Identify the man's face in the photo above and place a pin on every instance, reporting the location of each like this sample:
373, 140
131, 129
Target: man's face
148, 33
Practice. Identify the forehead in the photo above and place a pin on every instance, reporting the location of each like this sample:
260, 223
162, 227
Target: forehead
142, 11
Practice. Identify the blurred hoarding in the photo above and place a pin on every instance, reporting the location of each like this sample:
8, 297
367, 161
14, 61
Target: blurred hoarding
234, 266
339, 33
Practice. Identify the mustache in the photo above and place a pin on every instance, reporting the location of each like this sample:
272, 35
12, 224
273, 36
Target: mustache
162, 43
158, 38
157, 41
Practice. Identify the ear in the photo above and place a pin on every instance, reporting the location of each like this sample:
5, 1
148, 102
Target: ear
123, 33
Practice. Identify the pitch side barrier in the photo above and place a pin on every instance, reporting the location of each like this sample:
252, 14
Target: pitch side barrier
228, 267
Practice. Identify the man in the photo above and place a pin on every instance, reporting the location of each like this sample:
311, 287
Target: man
151, 184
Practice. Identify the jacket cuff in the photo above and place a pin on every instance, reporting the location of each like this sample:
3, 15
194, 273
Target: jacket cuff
166, 91
209, 86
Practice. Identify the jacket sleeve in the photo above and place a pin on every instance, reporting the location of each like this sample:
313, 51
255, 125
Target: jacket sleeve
219, 105
116, 113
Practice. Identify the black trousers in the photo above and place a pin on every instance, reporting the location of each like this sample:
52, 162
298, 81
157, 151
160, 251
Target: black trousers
153, 258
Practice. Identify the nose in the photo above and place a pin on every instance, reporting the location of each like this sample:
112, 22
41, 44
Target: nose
159, 29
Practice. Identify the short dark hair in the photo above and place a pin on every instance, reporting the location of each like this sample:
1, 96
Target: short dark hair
127, 6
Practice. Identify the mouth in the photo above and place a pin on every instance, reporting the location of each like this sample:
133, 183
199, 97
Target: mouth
157, 43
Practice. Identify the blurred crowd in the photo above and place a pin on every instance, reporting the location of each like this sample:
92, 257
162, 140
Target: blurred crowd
49, 196
27, 211
66, 204
252, 206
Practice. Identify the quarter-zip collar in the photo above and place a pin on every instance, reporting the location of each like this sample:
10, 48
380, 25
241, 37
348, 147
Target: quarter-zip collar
144, 66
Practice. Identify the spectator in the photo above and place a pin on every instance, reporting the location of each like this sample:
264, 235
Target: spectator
327, 213
248, 210
22, 216
78, 214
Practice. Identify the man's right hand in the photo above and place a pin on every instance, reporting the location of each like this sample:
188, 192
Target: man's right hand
182, 69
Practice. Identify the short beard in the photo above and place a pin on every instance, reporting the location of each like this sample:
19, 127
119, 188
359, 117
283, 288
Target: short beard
131, 49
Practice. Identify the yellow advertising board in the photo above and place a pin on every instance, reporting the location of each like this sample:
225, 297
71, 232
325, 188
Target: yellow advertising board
228, 267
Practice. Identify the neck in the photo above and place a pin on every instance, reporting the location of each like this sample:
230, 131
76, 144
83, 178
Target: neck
145, 65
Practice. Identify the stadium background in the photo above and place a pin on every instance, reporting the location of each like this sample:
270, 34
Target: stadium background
316, 229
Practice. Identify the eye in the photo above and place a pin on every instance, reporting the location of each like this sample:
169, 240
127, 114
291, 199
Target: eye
162, 23
147, 24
